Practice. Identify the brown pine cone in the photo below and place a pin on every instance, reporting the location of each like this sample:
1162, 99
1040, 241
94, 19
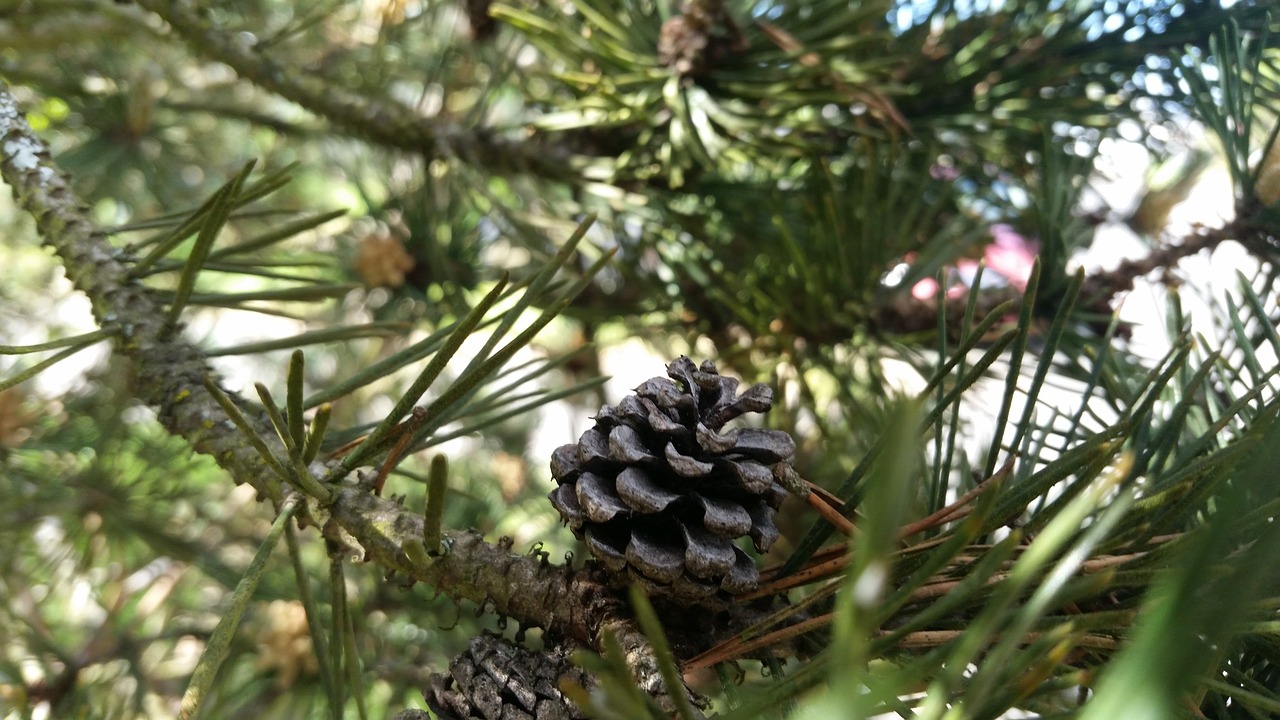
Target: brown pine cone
495, 679
657, 490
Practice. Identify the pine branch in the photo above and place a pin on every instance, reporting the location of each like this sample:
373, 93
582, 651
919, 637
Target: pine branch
173, 369
566, 603
390, 125
526, 588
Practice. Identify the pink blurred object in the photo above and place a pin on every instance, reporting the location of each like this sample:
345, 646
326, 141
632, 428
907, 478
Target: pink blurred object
1009, 256
924, 289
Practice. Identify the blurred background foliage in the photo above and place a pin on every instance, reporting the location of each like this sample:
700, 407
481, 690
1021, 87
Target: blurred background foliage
801, 191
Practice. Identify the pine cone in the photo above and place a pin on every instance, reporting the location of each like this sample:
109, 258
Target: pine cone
655, 489
498, 680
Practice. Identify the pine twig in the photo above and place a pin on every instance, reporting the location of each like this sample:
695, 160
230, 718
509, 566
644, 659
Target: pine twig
526, 588
174, 369
389, 125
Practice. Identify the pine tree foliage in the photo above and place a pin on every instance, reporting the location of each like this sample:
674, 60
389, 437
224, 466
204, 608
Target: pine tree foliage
326, 246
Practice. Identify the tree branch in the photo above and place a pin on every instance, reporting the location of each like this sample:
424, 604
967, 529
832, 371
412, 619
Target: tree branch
386, 124
173, 369
526, 588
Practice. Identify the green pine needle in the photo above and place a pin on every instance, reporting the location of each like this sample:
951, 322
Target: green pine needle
221, 206
81, 343
219, 646
378, 438
341, 333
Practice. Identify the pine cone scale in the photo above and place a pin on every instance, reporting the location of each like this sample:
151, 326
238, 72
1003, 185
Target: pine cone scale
564, 462
725, 518
744, 576
643, 494
714, 442
626, 446
599, 501
593, 449
603, 550
662, 423
753, 478
656, 559
685, 466
565, 498
707, 556
766, 446
763, 532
